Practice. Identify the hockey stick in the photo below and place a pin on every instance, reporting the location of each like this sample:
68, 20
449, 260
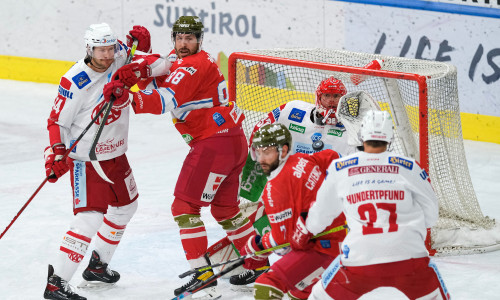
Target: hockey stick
338, 228
47, 178
109, 105
238, 262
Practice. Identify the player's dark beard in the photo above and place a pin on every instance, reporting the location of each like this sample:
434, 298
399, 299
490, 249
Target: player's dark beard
272, 167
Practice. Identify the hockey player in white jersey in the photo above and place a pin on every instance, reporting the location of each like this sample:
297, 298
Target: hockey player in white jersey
389, 203
100, 207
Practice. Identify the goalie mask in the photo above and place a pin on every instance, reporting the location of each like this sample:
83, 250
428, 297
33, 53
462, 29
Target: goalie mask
328, 95
377, 126
100, 35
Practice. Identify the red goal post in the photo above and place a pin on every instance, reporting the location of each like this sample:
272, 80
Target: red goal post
421, 96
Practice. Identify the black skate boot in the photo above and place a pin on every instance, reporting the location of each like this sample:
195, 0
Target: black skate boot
199, 279
248, 276
58, 288
97, 271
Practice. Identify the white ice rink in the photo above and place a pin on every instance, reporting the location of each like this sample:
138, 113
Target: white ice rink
150, 255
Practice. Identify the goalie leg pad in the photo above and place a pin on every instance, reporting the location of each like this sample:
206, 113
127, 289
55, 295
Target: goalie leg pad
192, 229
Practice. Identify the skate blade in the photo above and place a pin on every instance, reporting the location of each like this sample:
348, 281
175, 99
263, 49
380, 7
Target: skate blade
209, 293
243, 288
95, 285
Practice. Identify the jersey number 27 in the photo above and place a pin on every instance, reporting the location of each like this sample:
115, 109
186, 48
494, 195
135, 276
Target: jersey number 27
369, 212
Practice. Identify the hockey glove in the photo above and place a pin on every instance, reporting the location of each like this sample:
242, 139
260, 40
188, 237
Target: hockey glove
253, 245
141, 34
55, 167
301, 239
116, 88
130, 74
269, 242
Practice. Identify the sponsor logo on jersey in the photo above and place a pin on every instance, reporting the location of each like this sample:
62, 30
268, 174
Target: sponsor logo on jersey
81, 79
190, 70
296, 115
346, 251
335, 132
212, 185
298, 169
268, 189
280, 216
425, 176
147, 92
401, 161
65, 93
296, 128
313, 178
373, 169
219, 119
71, 144
235, 113
346, 163
316, 136
276, 113
375, 195
108, 146
187, 138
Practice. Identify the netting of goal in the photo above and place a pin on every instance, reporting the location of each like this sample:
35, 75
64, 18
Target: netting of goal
421, 96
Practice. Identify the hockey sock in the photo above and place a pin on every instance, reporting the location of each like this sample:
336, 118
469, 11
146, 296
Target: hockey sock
108, 238
238, 229
72, 250
193, 238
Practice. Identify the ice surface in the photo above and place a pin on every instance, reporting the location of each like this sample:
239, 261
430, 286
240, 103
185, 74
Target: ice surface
150, 255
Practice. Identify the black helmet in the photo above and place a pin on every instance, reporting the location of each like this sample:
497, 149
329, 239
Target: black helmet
188, 24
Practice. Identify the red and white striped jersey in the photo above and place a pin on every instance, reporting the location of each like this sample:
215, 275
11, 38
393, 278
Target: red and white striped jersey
195, 93
291, 189
388, 202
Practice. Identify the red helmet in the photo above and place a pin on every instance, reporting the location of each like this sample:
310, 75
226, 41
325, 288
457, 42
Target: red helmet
328, 86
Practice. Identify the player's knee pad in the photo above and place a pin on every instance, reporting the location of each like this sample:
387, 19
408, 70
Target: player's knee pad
269, 287
87, 223
121, 215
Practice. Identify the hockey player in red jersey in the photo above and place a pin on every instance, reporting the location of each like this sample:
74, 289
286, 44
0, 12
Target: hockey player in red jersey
195, 94
99, 207
292, 186
389, 204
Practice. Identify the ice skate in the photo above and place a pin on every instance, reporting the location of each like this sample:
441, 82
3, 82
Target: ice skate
198, 279
58, 288
97, 275
244, 281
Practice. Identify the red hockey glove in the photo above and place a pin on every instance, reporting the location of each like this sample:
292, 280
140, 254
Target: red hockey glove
141, 34
301, 239
116, 88
269, 242
54, 166
253, 245
130, 74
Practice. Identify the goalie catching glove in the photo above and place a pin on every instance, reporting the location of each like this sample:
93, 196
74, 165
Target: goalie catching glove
55, 167
117, 89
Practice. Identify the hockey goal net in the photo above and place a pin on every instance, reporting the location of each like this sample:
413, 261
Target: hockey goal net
421, 96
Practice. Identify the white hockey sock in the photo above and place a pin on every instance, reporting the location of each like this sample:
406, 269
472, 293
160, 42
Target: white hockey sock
72, 250
108, 237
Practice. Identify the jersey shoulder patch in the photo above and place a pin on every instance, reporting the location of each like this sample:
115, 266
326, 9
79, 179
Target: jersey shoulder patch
339, 165
297, 115
401, 161
81, 79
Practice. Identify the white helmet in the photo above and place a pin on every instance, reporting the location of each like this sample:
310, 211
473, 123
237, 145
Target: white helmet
377, 126
98, 35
